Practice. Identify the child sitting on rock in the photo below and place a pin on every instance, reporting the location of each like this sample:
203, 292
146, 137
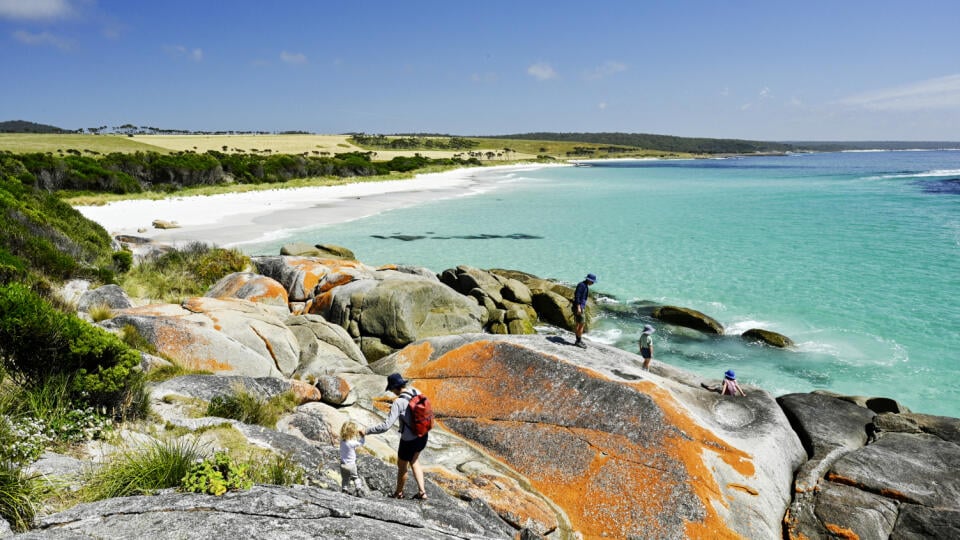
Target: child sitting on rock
350, 440
729, 386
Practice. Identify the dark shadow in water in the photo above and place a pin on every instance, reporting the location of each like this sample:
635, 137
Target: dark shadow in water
410, 237
940, 186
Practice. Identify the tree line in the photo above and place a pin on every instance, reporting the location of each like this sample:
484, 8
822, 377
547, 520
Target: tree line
665, 143
151, 171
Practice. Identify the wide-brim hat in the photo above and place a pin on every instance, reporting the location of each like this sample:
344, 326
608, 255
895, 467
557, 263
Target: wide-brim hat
591, 277
647, 329
395, 380
730, 375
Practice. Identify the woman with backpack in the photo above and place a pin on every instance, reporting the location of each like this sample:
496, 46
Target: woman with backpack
411, 442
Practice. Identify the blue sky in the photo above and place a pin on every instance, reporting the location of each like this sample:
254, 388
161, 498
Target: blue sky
773, 70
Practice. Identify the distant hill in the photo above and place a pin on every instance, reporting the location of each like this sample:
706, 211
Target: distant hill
834, 146
22, 126
666, 143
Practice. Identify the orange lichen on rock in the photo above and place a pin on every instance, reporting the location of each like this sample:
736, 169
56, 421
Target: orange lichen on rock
304, 391
614, 456
332, 280
842, 532
504, 495
313, 271
743, 488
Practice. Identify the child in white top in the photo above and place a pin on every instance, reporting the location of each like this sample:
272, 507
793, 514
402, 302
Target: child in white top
350, 440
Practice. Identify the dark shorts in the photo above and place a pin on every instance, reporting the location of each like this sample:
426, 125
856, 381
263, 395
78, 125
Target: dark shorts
408, 448
578, 317
646, 352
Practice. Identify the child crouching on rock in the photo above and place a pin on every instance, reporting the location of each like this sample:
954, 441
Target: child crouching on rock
350, 440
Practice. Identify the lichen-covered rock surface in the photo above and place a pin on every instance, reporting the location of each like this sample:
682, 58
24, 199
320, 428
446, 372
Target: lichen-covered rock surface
623, 453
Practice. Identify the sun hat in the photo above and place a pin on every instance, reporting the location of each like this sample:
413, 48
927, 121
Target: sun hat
592, 277
730, 375
647, 329
395, 380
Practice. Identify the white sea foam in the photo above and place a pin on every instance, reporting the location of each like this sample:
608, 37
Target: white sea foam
926, 174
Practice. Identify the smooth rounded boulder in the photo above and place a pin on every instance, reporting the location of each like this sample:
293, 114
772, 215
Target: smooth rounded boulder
624, 452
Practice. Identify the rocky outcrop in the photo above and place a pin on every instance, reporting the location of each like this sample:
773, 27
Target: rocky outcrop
767, 337
323, 251
613, 453
271, 512
325, 348
250, 286
689, 318
111, 296
871, 476
398, 308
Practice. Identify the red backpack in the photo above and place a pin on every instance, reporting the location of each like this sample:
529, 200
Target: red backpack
419, 416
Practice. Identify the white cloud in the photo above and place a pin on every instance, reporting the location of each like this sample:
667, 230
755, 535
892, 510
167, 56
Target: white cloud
43, 39
35, 9
487, 77
195, 54
542, 71
939, 93
764, 92
606, 69
602, 105
293, 58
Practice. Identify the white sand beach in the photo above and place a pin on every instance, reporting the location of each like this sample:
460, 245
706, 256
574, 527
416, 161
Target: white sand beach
237, 218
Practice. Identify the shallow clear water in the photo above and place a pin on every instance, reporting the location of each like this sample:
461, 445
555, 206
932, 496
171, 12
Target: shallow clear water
855, 256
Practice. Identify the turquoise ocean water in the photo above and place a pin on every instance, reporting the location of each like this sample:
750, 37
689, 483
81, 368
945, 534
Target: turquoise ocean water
855, 256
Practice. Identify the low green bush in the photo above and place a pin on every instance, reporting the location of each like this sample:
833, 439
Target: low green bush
216, 476
37, 342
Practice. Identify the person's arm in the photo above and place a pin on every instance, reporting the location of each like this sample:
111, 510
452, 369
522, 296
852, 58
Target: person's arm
385, 425
742, 393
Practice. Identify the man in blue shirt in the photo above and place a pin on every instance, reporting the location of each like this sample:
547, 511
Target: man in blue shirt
580, 306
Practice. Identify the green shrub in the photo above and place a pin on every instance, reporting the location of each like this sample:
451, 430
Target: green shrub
216, 476
122, 261
19, 496
143, 471
37, 342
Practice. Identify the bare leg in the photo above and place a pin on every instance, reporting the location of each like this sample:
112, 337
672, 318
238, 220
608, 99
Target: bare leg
646, 364
402, 476
417, 472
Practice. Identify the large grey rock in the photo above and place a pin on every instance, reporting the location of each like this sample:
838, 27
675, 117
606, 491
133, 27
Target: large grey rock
111, 296
767, 337
252, 287
824, 422
918, 469
689, 318
846, 511
325, 348
920, 523
401, 309
576, 422
944, 427
259, 327
269, 512
193, 344
553, 308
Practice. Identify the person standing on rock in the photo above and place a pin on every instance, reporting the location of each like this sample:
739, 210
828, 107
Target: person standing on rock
646, 346
408, 453
350, 440
580, 307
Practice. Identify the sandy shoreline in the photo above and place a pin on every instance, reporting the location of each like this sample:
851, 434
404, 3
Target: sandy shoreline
232, 219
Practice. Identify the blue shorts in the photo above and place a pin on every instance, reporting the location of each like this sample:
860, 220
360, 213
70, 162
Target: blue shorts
407, 449
646, 352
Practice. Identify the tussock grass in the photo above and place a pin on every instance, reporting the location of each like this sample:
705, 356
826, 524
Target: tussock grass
189, 271
279, 470
143, 471
100, 312
248, 408
20, 496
